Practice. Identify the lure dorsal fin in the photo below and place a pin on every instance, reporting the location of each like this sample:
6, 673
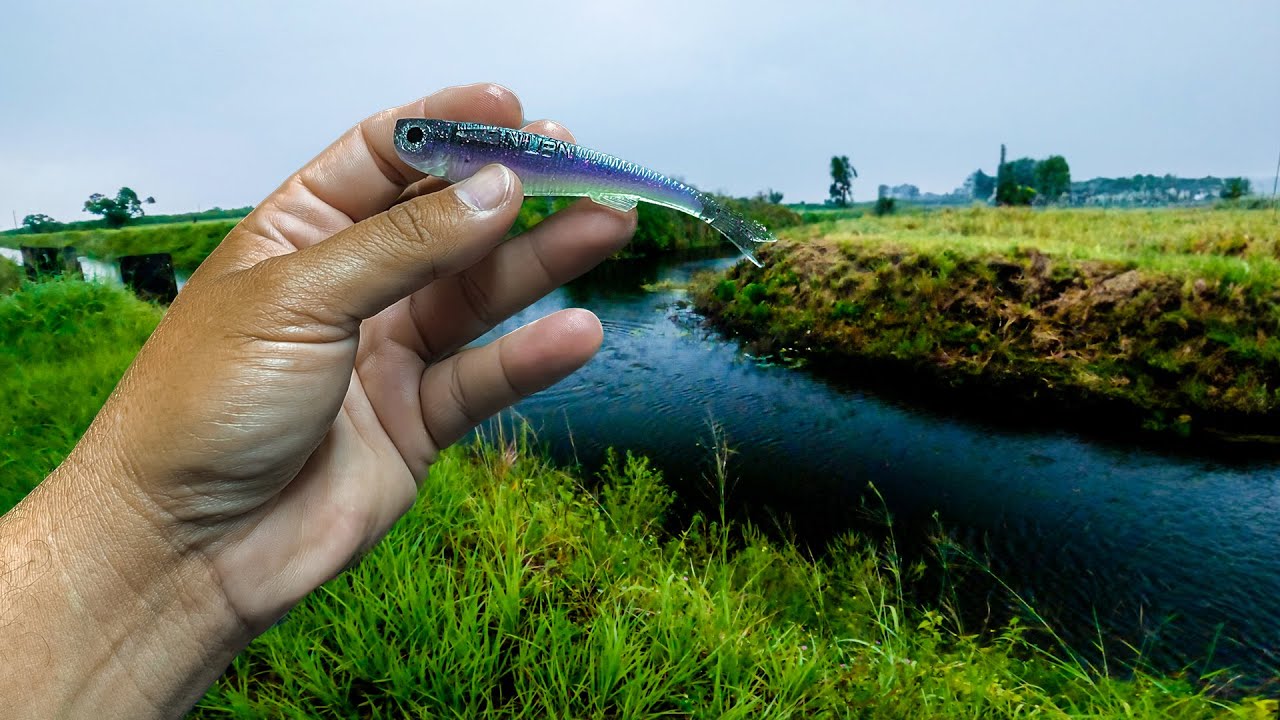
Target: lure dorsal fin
617, 202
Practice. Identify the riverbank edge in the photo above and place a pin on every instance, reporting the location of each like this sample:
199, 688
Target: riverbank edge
943, 330
187, 243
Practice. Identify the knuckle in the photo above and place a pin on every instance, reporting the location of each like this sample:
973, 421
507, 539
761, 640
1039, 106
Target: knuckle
458, 393
477, 298
546, 267
420, 221
283, 303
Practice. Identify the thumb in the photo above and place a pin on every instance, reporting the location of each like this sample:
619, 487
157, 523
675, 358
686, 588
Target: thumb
365, 268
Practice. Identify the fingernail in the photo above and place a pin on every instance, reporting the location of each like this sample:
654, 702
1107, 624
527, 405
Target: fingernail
486, 189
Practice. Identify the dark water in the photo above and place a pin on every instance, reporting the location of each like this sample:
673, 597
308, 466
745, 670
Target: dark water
1174, 554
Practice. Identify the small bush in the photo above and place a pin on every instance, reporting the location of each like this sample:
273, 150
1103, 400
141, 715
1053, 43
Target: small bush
11, 275
725, 290
885, 206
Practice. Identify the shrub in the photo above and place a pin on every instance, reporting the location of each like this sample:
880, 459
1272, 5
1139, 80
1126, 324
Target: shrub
725, 290
754, 293
10, 275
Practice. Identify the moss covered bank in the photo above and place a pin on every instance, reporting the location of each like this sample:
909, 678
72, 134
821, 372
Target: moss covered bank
1160, 319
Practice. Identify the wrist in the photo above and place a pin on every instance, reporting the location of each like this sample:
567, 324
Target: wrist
99, 611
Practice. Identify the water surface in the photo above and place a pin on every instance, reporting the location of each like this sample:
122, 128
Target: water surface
1173, 553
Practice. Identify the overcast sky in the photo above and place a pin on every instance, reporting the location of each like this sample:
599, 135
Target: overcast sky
215, 105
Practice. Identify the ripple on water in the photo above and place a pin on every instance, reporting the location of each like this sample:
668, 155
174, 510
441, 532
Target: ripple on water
635, 328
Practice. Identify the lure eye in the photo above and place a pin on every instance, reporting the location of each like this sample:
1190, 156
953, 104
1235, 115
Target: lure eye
414, 135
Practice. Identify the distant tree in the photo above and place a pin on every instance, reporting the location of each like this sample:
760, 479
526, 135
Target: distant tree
1052, 178
119, 210
1235, 188
842, 175
905, 191
1003, 186
981, 186
771, 196
1009, 192
1145, 190
1023, 171
40, 223
1016, 195
1016, 181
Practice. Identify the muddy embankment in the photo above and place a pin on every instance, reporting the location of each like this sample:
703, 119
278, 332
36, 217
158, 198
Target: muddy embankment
1110, 343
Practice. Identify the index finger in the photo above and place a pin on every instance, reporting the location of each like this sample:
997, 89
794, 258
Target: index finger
361, 175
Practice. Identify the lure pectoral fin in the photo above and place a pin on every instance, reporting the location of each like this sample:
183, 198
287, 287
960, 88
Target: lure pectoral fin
623, 203
550, 166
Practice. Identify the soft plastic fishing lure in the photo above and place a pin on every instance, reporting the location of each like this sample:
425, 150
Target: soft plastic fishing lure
547, 166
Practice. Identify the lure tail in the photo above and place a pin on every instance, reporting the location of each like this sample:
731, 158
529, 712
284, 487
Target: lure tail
742, 232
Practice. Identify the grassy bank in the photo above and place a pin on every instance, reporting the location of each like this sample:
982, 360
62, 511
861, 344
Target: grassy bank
516, 588
63, 346
1169, 317
189, 243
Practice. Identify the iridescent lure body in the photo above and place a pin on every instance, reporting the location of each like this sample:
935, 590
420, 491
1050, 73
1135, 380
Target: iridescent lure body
547, 166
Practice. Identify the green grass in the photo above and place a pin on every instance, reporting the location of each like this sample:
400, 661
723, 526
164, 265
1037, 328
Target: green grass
1169, 314
65, 344
1238, 245
516, 588
10, 275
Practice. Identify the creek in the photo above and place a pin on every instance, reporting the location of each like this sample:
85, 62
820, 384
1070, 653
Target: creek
1117, 545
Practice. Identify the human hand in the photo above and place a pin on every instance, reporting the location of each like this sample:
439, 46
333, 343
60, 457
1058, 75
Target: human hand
277, 422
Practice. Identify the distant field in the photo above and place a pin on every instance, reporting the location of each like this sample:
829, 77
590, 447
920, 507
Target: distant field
1239, 247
